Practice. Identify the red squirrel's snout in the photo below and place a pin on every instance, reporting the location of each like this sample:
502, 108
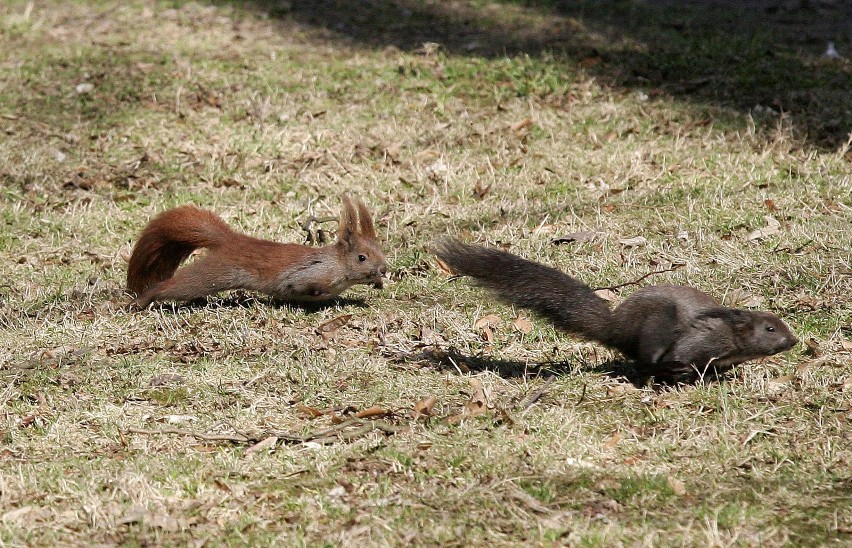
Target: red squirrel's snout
379, 275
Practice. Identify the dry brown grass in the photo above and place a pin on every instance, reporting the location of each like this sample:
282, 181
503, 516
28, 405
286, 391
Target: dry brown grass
266, 120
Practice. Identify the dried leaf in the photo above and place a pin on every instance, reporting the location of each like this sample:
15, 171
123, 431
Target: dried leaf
620, 389
426, 155
635, 241
135, 515
162, 521
813, 347
444, 266
772, 227
523, 324
741, 298
179, 419
753, 434
437, 170
613, 441
779, 385
505, 417
491, 320
677, 486
309, 411
393, 152
373, 411
523, 124
487, 335
427, 335
805, 366
262, 445
165, 379
329, 328
478, 403
18, 515
479, 191
591, 61
425, 408
784, 379
455, 419
607, 295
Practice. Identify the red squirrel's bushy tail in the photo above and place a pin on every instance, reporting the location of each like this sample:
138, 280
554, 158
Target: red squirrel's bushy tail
568, 303
168, 240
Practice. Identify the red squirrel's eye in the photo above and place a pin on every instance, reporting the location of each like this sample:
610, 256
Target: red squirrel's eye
770, 328
362, 258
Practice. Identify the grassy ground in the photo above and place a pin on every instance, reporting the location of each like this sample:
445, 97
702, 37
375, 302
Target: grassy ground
113, 111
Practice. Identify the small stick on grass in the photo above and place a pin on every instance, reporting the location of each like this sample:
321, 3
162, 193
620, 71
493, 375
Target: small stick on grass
319, 236
535, 396
636, 282
184, 432
582, 396
324, 436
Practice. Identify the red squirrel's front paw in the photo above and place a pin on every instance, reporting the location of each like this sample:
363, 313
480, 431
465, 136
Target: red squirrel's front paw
317, 294
137, 305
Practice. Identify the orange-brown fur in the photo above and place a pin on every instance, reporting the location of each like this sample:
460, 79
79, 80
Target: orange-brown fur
290, 272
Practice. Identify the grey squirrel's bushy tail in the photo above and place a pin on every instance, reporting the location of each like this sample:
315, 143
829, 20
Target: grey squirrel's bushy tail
569, 304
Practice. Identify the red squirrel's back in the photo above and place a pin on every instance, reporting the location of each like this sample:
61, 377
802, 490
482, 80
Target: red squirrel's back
169, 239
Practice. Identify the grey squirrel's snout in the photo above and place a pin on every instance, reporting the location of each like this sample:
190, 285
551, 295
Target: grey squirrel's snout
791, 341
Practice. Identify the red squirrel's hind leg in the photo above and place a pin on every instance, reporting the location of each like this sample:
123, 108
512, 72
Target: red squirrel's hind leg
200, 279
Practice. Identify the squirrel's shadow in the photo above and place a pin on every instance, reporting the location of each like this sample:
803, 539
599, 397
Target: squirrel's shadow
453, 360
239, 299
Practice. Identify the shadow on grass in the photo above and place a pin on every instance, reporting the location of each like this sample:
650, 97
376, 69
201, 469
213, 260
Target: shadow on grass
453, 360
239, 299
721, 53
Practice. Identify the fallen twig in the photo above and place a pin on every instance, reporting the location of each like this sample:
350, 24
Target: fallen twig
319, 236
636, 282
199, 435
582, 395
329, 435
535, 396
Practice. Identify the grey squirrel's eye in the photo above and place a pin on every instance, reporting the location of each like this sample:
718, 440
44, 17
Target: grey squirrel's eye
770, 328
362, 258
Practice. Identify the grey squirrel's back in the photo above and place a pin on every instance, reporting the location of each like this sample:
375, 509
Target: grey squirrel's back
685, 295
651, 319
682, 301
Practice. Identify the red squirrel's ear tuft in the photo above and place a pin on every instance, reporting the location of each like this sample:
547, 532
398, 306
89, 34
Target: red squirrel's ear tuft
347, 227
366, 221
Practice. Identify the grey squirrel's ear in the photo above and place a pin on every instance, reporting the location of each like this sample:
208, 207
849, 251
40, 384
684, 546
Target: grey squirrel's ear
366, 221
347, 226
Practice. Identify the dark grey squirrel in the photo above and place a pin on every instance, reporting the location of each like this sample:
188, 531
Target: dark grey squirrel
674, 333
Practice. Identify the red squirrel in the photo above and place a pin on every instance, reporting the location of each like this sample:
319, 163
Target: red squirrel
290, 272
672, 332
